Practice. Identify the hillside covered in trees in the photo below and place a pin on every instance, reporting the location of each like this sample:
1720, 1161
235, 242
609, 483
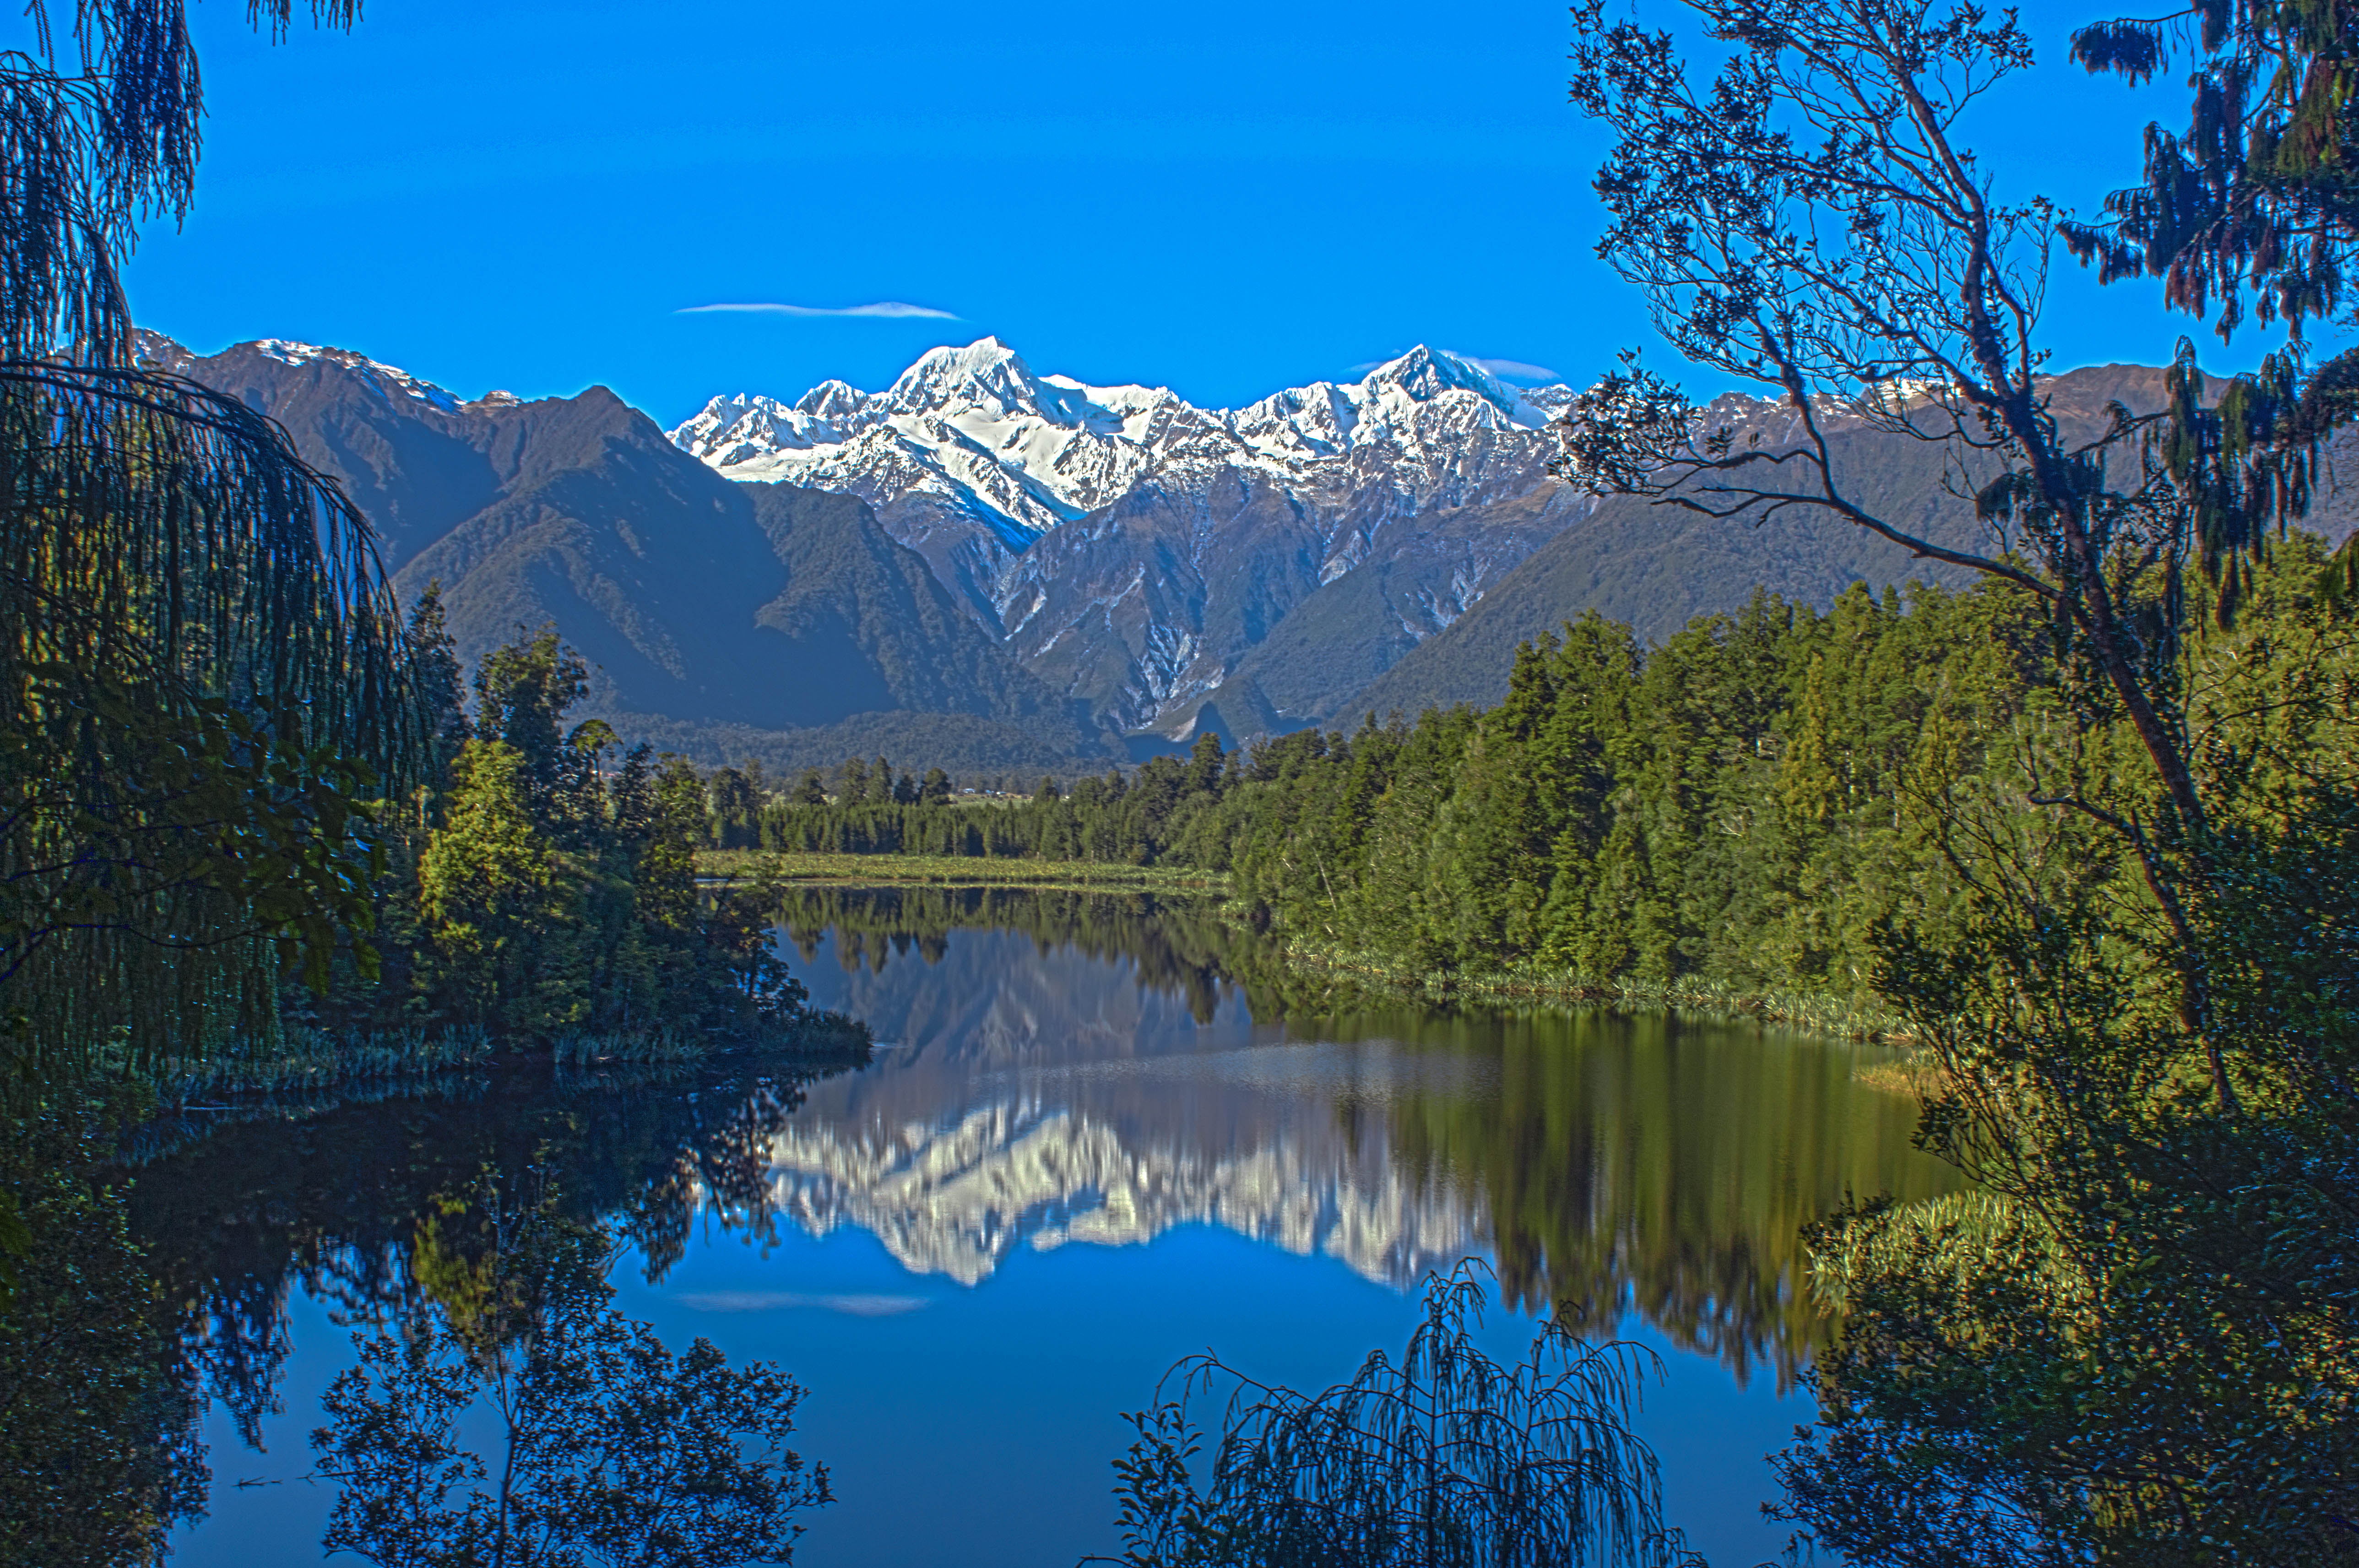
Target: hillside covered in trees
1749, 802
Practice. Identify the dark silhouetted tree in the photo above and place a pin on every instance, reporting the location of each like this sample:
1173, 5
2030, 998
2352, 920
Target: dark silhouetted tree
1446, 1459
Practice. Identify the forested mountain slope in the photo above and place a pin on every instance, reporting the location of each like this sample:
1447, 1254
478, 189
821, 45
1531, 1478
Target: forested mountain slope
1362, 624
994, 570
718, 618
1654, 567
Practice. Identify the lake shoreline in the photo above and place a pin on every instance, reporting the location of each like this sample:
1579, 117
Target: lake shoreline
950, 871
335, 1063
1815, 1012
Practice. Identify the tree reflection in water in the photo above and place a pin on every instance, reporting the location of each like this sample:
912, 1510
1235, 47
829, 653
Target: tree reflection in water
1610, 1163
1178, 946
1613, 1163
401, 1212
609, 1449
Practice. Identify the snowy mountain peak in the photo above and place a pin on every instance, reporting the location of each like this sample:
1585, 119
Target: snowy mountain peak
984, 365
390, 380
1425, 374
828, 400
971, 443
985, 380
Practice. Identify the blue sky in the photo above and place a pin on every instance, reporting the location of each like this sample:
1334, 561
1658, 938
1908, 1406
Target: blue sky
1224, 198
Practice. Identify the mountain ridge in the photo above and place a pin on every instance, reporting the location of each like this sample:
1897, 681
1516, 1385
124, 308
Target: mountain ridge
718, 620
1655, 567
1132, 549
1319, 553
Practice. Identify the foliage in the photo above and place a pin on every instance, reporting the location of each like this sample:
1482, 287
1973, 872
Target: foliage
1814, 222
968, 745
546, 891
2143, 1349
143, 902
99, 1457
1723, 808
2133, 983
194, 617
203, 681
1943, 1487
2258, 194
953, 870
485, 881
1142, 818
1447, 1460
614, 1451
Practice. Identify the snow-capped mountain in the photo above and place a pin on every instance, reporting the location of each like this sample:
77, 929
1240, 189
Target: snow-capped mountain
1021, 452
712, 616
1134, 548
1025, 452
1012, 566
1047, 562
390, 380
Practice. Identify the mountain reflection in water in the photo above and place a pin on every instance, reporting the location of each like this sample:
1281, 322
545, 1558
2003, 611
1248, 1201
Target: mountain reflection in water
1053, 1070
1067, 1067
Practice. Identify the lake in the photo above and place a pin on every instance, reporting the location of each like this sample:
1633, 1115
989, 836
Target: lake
1098, 1134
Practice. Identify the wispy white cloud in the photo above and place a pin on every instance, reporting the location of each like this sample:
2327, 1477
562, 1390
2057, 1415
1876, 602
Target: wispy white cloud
784, 1300
1514, 369
890, 309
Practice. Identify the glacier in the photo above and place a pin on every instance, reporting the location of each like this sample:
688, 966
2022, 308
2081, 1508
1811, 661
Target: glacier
1131, 547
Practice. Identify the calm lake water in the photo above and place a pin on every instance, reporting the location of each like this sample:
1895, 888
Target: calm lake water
1098, 1134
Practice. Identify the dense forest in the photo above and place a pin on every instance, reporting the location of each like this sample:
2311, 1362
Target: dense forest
541, 887
1750, 803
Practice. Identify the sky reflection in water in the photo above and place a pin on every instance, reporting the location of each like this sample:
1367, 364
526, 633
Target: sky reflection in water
1088, 1152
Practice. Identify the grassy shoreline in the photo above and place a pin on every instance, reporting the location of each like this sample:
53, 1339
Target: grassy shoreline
312, 1061
954, 871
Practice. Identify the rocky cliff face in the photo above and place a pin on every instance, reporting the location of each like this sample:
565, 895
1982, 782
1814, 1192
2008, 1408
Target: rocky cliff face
1133, 550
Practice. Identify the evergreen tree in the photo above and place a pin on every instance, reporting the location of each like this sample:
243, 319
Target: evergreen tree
437, 677
736, 803
488, 883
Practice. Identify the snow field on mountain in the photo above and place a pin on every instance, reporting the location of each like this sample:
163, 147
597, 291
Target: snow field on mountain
1039, 451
